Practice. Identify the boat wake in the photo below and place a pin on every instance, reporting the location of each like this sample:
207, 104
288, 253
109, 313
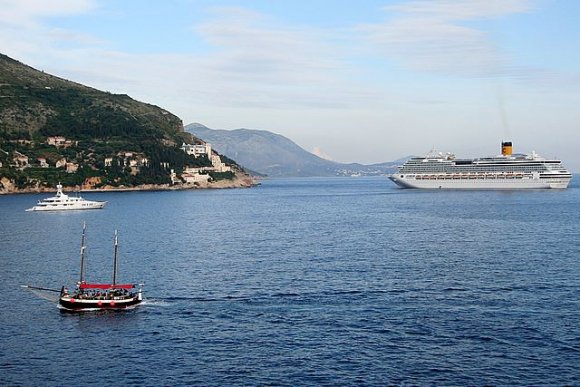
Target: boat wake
155, 302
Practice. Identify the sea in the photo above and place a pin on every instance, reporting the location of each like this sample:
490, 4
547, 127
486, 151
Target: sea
305, 281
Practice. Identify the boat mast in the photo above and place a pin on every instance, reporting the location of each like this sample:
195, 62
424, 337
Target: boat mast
115, 261
83, 247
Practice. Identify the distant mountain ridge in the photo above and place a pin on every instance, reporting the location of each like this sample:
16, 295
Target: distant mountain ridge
277, 156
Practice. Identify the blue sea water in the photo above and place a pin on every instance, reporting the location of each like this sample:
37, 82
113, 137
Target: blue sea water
341, 281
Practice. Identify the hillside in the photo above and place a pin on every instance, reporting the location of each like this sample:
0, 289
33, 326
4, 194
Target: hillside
277, 156
52, 129
33, 102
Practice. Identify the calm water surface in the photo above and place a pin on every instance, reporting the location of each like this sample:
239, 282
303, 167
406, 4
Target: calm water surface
301, 282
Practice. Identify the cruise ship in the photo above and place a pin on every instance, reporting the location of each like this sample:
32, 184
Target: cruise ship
505, 171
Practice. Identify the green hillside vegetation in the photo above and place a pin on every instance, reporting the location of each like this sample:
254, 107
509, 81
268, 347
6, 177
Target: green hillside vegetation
141, 142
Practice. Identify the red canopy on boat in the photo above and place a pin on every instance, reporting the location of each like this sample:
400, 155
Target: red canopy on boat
107, 286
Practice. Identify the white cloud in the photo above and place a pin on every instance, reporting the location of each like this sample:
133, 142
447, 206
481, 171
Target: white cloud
28, 12
26, 34
61, 35
263, 64
461, 9
433, 36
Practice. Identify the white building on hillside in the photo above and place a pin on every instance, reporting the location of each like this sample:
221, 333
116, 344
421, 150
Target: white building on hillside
205, 149
218, 165
56, 140
72, 167
61, 163
43, 163
190, 176
196, 149
60, 141
20, 160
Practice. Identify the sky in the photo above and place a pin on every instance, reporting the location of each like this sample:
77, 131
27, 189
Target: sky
354, 81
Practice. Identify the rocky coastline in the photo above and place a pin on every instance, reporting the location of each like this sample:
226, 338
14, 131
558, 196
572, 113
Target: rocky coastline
7, 187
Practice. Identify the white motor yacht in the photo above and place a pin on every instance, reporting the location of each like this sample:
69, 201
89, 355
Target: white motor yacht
62, 202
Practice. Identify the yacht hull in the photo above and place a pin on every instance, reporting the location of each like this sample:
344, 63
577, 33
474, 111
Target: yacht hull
84, 206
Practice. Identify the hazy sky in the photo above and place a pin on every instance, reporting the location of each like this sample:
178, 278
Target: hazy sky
364, 81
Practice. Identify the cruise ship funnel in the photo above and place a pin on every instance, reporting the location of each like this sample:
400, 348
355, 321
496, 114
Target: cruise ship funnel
506, 148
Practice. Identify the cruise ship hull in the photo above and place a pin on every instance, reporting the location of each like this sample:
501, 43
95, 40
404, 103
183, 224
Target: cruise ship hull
463, 183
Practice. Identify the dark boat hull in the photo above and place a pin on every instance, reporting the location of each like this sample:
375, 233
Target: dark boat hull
81, 305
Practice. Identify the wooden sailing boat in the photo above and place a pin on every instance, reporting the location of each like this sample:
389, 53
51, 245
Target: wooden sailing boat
99, 296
